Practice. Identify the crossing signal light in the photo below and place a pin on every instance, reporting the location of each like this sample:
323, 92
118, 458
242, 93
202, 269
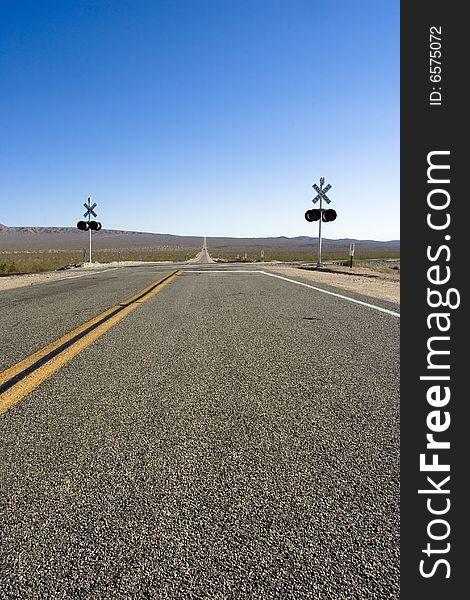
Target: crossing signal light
86, 225
313, 214
328, 215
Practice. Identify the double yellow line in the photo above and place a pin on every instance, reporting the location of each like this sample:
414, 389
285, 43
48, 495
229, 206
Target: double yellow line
20, 379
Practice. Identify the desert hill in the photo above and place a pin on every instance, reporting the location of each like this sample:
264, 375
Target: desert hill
24, 239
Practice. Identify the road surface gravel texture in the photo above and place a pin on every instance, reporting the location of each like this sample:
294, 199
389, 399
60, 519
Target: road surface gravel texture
236, 436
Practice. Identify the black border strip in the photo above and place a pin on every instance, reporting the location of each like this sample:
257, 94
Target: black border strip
427, 128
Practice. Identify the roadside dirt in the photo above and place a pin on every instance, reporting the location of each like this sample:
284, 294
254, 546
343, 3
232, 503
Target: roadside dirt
375, 279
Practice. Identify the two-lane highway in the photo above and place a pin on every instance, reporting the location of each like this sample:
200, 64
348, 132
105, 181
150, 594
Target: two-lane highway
236, 435
202, 257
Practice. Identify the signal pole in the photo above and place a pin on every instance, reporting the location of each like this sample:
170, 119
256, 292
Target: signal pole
320, 214
322, 181
89, 211
89, 225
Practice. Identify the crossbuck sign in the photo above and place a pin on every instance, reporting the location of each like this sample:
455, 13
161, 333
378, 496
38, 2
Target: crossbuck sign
89, 208
321, 195
320, 214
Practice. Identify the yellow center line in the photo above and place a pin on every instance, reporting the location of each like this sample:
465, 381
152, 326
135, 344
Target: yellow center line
99, 324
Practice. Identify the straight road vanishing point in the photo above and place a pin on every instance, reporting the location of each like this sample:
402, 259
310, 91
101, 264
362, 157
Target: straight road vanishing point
198, 431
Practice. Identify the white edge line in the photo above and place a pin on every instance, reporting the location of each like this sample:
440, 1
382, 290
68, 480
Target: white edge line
379, 308
385, 310
89, 273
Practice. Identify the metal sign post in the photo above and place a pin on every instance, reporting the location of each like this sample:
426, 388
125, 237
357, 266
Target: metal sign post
351, 254
89, 211
89, 225
320, 214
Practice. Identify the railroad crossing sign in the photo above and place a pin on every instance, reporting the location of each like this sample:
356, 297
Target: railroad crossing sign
321, 194
320, 214
89, 225
89, 208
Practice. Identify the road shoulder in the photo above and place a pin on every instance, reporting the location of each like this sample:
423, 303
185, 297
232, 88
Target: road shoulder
366, 281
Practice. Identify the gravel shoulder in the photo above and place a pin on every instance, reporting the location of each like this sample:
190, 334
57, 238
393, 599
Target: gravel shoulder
373, 279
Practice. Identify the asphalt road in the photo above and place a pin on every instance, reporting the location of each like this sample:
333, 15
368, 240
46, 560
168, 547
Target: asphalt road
236, 436
202, 257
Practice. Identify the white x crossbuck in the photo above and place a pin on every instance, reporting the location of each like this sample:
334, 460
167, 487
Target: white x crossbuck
321, 193
89, 208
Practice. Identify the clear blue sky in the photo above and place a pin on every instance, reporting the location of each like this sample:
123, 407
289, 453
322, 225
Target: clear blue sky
201, 117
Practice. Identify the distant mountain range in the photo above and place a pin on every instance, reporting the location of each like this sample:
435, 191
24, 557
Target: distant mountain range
70, 238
